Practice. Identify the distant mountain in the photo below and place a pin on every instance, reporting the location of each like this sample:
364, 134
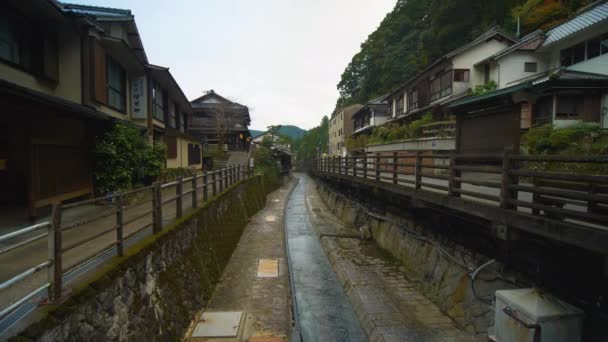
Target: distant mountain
254, 133
288, 130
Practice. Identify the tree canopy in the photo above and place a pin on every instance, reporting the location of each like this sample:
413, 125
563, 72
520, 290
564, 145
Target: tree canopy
417, 32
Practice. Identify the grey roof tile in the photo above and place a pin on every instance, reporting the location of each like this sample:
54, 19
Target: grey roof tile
584, 20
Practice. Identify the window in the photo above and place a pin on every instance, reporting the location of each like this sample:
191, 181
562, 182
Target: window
446, 83
441, 85
413, 99
183, 125
586, 50
400, 105
158, 107
9, 42
594, 47
486, 73
569, 107
117, 88
461, 75
530, 67
578, 53
173, 111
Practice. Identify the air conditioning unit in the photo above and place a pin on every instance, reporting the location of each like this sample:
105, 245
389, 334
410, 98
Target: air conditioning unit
528, 315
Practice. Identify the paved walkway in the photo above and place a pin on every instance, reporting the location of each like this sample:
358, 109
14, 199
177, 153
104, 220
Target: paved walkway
386, 302
264, 301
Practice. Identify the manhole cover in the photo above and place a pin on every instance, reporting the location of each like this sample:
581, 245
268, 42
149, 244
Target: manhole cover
268, 268
271, 218
218, 324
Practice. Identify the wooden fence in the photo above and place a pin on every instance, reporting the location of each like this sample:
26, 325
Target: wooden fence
563, 188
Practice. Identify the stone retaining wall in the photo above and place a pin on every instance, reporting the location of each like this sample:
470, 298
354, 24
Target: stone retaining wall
438, 277
154, 290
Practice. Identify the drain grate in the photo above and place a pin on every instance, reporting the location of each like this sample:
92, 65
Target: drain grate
268, 268
218, 324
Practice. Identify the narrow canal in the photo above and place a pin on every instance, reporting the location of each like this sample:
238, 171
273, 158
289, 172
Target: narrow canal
322, 309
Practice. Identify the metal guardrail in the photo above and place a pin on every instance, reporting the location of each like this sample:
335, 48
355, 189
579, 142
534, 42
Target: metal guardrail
205, 184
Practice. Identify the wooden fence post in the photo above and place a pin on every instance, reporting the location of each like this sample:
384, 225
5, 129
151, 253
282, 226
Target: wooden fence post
178, 193
453, 173
205, 186
220, 180
238, 172
55, 275
395, 167
418, 170
354, 166
119, 226
214, 182
506, 194
194, 191
157, 200
377, 167
365, 165
339, 165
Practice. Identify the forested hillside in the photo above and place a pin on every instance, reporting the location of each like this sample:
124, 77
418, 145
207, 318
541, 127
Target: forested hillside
417, 32
306, 147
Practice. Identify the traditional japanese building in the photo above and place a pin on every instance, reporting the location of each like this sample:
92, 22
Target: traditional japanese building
217, 120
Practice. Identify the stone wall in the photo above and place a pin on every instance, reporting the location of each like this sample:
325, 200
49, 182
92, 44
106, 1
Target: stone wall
154, 290
423, 256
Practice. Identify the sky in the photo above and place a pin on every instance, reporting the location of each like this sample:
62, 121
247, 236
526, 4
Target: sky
281, 58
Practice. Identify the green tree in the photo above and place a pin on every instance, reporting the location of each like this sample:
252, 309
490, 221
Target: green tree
124, 158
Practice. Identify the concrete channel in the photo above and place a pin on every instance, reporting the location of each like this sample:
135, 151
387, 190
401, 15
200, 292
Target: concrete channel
323, 312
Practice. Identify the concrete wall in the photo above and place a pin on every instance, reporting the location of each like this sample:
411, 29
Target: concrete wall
152, 293
437, 276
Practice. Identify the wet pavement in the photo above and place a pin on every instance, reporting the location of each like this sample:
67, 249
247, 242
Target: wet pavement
323, 311
254, 285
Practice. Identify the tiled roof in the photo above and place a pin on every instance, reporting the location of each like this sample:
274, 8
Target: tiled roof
582, 21
95, 11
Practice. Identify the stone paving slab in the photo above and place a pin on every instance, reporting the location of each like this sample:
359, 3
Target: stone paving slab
266, 300
385, 301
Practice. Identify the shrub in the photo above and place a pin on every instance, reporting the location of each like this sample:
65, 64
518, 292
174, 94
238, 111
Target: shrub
484, 88
393, 131
577, 140
124, 158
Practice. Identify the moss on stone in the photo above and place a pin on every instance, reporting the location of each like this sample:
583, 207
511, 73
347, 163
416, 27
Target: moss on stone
187, 283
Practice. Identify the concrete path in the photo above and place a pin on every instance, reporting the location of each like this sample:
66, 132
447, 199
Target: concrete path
324, 312
264, 301
386, 302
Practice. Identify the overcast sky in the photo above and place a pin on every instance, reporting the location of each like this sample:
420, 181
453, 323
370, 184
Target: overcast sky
282, 58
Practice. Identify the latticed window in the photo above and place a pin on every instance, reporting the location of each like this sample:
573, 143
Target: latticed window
117, 88
158, 106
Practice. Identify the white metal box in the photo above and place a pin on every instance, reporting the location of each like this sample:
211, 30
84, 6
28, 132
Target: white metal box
528, 315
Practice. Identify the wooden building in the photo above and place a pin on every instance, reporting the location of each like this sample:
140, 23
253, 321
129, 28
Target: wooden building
217, 120
67, 73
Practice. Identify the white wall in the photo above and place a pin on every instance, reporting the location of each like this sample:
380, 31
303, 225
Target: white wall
468, 58
512, 68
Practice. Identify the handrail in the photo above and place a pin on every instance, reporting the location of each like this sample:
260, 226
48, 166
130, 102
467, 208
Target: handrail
208, 188
560, 192
24, 231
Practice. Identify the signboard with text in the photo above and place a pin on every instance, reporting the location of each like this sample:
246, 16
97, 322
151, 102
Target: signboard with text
139, 98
